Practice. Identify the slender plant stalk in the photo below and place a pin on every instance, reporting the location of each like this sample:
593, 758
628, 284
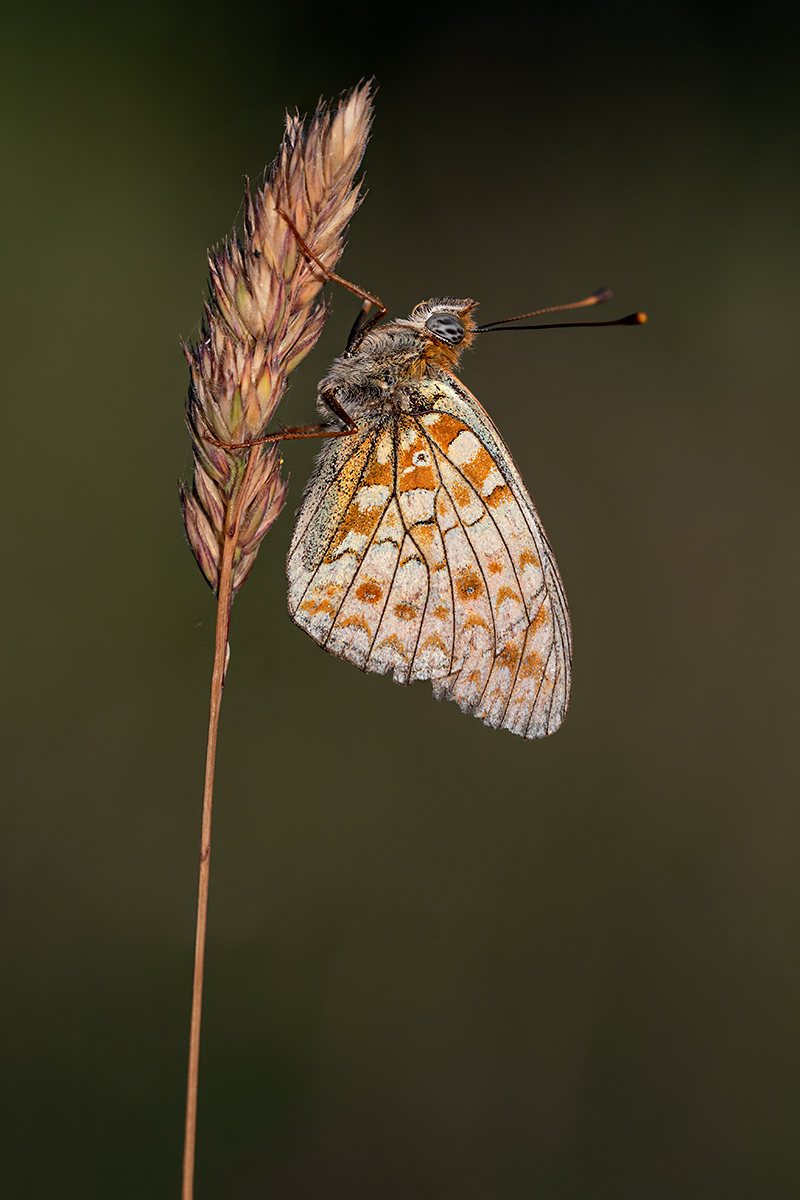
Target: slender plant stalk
224, 606
261, 319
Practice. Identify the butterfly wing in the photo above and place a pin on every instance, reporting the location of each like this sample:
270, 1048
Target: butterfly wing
357, 580
522, 682
418, 550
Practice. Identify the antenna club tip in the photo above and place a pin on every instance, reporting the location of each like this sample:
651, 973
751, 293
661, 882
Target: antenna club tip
640, 318
601, 295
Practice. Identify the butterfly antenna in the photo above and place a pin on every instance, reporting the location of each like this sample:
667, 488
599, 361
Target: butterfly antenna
635, 318
598, 297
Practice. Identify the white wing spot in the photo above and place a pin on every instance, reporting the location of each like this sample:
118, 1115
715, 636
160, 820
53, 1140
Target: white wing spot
493, 481
463, 448
417, 504
372, 497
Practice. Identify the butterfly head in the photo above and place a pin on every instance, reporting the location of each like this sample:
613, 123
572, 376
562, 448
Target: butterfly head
445, 327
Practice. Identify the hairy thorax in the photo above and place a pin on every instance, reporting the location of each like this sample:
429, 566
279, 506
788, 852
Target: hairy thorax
379, 377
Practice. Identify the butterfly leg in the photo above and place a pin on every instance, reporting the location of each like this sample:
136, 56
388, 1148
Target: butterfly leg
363, 324
294, 432
361, 327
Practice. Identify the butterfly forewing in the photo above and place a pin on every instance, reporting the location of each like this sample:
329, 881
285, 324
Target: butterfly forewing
344, 506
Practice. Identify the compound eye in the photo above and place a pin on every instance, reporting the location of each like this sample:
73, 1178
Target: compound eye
446, 327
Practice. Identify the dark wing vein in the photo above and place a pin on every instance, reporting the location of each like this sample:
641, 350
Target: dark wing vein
423, 559
539, 688
475, 554
361, 558
336, 526
334, 479
392, 497
468, 483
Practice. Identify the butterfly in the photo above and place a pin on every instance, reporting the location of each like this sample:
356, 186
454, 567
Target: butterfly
417, 548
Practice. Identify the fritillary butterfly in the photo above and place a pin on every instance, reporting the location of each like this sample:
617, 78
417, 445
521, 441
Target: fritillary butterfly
417, 549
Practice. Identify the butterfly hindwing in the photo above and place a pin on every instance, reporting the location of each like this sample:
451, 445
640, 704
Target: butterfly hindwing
524, 687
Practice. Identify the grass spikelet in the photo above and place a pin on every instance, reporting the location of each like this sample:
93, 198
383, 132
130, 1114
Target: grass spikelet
262, 317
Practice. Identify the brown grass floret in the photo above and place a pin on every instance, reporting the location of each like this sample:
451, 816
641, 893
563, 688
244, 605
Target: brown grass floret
261, 319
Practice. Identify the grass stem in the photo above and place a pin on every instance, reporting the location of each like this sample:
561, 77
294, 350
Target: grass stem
262, 317
224, 605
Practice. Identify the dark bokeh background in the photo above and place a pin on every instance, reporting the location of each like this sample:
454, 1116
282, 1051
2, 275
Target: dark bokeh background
442, 961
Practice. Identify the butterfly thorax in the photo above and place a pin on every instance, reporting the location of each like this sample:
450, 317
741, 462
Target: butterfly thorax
378, 376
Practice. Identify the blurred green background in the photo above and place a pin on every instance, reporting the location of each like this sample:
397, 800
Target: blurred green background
442, 961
